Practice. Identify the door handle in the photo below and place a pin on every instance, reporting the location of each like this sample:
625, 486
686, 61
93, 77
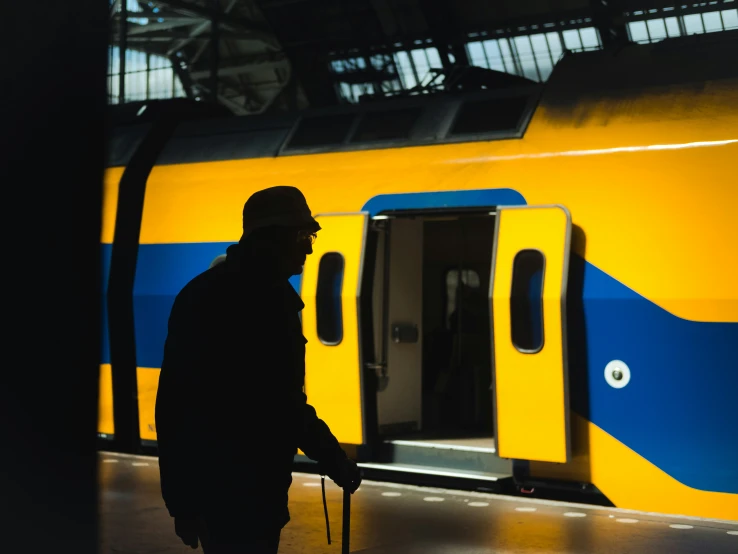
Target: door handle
380, 372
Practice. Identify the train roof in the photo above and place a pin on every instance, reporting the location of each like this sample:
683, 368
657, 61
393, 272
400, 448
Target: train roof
484, 115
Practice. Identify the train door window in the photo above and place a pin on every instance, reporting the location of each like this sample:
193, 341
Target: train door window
526, 301
328, 306
469, 278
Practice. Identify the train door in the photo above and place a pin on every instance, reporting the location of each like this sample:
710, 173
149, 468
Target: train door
528, 298
431, 316
467, 380
331, 323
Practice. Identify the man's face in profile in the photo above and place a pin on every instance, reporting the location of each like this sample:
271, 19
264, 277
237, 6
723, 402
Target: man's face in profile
287, 247
297, 246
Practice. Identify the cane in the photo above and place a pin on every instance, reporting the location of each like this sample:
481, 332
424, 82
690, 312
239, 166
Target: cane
346, 522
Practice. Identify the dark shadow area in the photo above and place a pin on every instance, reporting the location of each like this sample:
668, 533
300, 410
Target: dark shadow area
456, 358
52, 107
576, 336
588, 86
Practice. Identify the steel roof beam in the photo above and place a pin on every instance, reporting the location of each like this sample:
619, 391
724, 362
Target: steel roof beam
203, 12
181, 34
194, 35
260, 62
159, 26
204, 26
172, 16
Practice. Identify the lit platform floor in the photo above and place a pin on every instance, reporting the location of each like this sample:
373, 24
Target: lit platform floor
393, 519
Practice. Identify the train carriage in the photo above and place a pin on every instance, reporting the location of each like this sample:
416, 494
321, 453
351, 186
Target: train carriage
538, 282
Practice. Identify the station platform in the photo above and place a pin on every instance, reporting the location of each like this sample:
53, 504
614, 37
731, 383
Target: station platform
389, 518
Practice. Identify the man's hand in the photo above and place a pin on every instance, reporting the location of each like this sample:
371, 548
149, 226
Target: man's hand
347, 475
186, 529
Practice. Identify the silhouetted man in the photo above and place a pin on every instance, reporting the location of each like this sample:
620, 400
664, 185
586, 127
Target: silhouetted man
230, 410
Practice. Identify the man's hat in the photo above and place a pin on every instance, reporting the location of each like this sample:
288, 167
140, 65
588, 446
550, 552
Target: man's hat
277, 206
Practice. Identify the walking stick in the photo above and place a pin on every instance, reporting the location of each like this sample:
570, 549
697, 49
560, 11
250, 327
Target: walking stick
346, 522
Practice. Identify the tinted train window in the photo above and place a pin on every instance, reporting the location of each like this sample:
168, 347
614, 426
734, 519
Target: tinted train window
329, 312
526, 301
390, 125
324, 130
488, 116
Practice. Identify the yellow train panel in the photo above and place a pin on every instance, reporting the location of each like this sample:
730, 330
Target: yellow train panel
636, 207
111, 182
147, 380
105, 401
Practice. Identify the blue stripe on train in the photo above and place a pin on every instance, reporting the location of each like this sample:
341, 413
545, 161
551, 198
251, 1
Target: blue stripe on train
677, 411
444, 199
162, 271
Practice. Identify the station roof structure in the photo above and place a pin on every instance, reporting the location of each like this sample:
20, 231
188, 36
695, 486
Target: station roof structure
256, 56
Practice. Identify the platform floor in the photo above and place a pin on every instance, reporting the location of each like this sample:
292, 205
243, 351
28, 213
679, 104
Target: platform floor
392, 519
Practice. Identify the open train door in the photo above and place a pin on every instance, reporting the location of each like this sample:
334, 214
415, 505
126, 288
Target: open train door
331, 288
530, 264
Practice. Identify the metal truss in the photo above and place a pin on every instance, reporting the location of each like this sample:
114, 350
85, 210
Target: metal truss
219, 50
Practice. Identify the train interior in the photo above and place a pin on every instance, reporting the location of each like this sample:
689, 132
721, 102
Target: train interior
435, 406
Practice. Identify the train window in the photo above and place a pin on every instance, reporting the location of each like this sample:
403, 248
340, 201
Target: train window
389, 125
488, 116
526, 301
328, 308
469, 278
323, 130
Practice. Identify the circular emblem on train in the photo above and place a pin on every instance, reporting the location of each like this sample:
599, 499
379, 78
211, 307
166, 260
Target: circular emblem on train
617, 374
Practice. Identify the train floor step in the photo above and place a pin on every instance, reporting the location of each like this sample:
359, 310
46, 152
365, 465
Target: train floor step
476, 455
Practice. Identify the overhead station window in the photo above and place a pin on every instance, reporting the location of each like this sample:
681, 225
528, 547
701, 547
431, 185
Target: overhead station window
323, 130
328, 307
489, 116
526, 301
387, 125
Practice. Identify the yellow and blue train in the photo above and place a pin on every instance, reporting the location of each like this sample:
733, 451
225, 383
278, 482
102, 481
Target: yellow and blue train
549, 272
